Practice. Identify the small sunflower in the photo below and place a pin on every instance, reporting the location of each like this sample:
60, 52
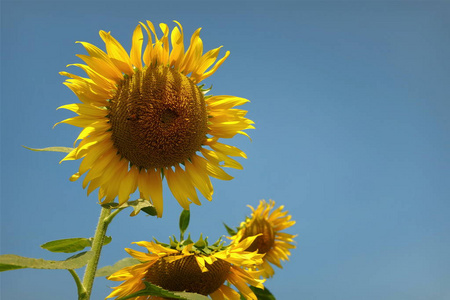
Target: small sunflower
195, 268
272, 242
145, 117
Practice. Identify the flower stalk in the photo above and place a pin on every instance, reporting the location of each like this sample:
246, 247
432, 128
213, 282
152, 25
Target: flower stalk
97, 244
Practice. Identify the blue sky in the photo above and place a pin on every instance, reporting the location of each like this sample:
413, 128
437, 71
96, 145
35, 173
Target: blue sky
351, 105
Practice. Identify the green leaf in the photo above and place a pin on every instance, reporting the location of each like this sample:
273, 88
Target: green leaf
67, 245
262, 294
51, 149
184, 221
191, 296
106, 240
11, 262
108, 270
154, 290
71, 245
230, 230
149, 210
137, 205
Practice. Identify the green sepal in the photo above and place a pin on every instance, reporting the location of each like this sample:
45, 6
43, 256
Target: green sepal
201, 243
184, 221
205, 91
51, 149
230, 230
12, 262
123, 263
173, 242
154, 290
71, 245
188, 241
261, 294
161, 243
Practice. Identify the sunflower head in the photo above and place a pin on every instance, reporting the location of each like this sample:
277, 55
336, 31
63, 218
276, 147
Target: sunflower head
192, 267
145, 116
267, 223
158, 118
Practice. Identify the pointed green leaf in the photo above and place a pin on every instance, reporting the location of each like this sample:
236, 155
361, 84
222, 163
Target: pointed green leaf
154, 290
184, 221
71, 245
230, 230
106, 240
191, 296
137, 205
149, 210
109, 270
67, 245
51, 149
12, 262
7, 267
262, 294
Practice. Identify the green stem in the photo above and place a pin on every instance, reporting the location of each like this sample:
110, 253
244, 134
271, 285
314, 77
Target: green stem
80, 288
112, 215
97, 244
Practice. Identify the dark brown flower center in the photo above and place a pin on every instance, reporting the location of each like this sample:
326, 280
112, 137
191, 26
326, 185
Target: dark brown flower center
158, 118
185, 275
264, 242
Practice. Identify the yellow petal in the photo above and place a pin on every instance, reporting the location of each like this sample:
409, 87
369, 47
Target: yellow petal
97, 53
225, 102
204, 63
199, 178
214, 170
177, 187
128, 185
97, 168
150, 184
229, 293
117, 53
94, 153
100, 66
193, 53
201, 263
227, 149
141, 256
165, 43
101, 81
147, 57
136, 48
177, 54
214, 69
85, 109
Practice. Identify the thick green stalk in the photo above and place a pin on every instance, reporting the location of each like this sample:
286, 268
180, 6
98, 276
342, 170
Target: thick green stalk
97, 244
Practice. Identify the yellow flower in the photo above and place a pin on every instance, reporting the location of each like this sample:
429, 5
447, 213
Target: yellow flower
191, 270
272, 242
144, 117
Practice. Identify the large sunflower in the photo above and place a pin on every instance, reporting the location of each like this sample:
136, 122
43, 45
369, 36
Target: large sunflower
145, 117
200, 270
272, 242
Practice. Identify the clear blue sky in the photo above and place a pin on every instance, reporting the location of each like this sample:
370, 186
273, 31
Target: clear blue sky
351, 102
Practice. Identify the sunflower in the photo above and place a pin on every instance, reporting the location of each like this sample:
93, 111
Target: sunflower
192, 268
272, 242
145, 117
